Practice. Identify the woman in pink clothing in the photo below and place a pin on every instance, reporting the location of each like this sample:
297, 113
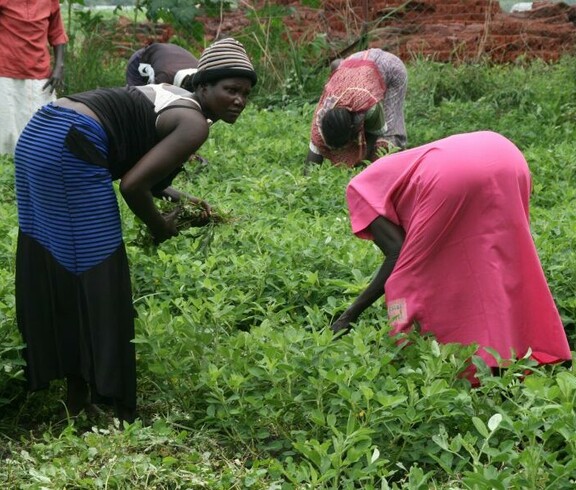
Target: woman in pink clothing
452, 219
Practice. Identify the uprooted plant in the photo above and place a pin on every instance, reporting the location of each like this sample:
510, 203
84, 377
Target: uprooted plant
189, 214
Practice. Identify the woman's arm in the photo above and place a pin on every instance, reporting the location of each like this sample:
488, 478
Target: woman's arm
183, 131
389, 238
169, 193
56, 80
375, 119
313, 158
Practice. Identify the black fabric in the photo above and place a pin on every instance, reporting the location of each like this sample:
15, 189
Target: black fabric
133, 76
167, 59
129, 120
83, 148
77, 325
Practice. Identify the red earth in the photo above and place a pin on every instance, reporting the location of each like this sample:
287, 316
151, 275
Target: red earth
444, 30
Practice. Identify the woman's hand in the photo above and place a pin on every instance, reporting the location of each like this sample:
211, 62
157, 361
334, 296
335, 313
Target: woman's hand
207, 209
169, 229
175, 195
343, 322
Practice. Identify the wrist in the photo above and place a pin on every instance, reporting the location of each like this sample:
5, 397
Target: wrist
156, 225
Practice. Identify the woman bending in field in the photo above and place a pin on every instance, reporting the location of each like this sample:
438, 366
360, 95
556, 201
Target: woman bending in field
361, 109
73, 292
452, 220
161, 63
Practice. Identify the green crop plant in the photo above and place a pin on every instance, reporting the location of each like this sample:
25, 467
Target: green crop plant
241, 383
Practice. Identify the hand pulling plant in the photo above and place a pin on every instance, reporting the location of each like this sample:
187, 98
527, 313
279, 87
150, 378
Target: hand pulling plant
190, 214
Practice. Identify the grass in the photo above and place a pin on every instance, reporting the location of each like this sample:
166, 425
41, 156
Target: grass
240, 383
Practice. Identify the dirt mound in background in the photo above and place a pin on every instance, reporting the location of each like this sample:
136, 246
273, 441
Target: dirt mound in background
444, 30
458, 30
450, 30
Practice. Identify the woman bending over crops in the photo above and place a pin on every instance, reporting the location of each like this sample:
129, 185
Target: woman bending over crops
452, 220
161, 63
361, 109
73, 290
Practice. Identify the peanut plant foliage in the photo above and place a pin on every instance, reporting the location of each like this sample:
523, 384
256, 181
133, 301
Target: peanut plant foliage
241, 383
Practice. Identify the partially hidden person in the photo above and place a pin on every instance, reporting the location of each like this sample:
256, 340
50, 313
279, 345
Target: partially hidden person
452, 220
360, 111
29, 78
161, 63
73, 289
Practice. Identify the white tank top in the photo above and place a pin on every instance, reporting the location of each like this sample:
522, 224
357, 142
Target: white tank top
165, 97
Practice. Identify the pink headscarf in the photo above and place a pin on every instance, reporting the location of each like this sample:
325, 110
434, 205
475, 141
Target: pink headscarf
356, 85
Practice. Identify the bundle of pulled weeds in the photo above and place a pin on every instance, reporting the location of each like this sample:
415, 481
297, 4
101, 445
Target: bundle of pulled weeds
189, 215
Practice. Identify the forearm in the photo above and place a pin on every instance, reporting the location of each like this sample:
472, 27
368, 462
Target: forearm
375, 289
169, 193
313, 157
311, 160
141, 203
389, 237
175, 195
59, 51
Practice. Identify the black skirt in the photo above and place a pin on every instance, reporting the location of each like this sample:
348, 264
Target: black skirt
73, 293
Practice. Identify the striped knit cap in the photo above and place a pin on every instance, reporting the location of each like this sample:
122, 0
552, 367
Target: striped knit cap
226, 58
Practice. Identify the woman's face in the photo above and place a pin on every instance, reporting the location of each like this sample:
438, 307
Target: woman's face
226, 99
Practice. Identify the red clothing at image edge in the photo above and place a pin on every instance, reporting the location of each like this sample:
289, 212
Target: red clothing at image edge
27, 27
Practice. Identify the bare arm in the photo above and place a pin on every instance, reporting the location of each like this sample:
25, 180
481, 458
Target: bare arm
183, 131
312, 159
389, 238
169, 193
56, 80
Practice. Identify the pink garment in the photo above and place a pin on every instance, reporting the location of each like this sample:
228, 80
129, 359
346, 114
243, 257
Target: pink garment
468, 271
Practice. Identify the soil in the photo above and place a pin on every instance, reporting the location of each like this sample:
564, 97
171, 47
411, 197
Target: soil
444, 30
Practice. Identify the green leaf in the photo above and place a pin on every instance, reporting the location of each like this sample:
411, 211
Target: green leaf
480, 427
494, 422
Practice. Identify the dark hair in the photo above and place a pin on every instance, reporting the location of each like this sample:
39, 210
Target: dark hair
337, 127
187, 83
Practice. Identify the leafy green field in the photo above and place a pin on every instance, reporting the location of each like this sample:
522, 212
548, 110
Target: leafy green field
240, 383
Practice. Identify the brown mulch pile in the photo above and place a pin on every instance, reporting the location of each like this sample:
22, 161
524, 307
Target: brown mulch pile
445, 30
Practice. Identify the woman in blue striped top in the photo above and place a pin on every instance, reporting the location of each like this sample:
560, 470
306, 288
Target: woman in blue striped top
73, 291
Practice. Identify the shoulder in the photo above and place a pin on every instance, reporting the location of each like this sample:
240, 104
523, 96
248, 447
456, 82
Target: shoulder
182, 130
182, 116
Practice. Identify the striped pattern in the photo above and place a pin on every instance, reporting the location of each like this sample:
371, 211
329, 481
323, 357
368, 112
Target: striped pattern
66, 204
222, 59
226, 53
